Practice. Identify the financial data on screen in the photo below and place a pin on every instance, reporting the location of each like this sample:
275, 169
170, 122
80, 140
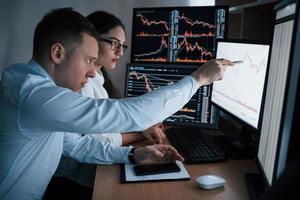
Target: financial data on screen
240, 91
143, 78
182, 34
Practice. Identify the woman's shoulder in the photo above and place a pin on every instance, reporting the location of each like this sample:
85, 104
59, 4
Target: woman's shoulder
98, 79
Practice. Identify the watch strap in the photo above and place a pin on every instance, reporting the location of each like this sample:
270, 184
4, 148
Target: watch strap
131, 157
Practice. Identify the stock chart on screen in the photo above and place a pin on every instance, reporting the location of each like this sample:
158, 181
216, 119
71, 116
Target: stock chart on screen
143, 78
179, 34
240, 92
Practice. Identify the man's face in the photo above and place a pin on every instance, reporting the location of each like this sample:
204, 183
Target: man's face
76, 67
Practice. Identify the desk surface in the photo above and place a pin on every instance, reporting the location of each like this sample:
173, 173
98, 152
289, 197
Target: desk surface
107, 183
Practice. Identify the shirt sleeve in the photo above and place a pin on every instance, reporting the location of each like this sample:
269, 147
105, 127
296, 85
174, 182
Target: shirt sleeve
88, 149
115, 138
44, 106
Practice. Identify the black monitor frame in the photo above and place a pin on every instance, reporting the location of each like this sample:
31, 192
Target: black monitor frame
178, 66
291, 93
168, 9
289, 116
232, 116
245, 145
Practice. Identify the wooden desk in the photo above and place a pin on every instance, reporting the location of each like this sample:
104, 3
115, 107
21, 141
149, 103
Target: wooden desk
107, 183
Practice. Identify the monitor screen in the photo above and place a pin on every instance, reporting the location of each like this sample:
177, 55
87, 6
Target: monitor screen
281, 92
177, 34
240, 92
143, 78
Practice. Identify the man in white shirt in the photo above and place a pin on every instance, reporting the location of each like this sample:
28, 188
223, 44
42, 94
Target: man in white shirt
41, 108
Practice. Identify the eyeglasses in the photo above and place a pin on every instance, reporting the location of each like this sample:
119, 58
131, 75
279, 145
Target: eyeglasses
115, 45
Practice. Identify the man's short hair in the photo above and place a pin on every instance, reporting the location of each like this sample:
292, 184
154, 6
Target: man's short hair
64, 26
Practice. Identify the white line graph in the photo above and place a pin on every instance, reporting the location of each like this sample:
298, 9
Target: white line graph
240, 91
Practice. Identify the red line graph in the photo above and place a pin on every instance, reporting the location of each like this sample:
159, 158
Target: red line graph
180, 60
148, 22
187, 20
188, 47
163, 45
196, 22
137, 76
191, 34
186, 34
149, 86
143, 34
184, 45
159, 59
188, 60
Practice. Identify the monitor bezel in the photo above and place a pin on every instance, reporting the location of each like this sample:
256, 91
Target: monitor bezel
242, 122
226, 8
173, 65
249, 128
296, 29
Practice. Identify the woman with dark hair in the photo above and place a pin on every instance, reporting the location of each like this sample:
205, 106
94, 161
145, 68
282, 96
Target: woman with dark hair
111, 47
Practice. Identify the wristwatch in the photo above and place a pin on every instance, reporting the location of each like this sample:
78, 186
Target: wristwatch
131, 157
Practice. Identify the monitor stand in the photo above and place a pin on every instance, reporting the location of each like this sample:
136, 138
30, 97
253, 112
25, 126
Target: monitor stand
255, 185
243, 146
238, 150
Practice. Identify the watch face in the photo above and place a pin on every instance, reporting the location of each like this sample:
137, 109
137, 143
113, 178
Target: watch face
130, 156
132, 150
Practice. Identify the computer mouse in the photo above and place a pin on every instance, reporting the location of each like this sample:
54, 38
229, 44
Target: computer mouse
210, 181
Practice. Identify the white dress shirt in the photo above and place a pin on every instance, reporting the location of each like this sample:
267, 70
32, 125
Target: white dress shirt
35, 113
94, 89
84, 173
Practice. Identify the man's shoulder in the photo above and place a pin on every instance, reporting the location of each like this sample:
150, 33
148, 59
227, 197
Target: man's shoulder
23, 71
21, 77
13, 74
14, 70
15, 66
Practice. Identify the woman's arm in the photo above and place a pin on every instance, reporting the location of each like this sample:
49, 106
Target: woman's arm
131, 137
155, 134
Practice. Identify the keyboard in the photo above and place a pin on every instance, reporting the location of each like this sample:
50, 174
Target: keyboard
194, 145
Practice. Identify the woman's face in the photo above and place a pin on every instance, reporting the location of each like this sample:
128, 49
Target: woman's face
111, 48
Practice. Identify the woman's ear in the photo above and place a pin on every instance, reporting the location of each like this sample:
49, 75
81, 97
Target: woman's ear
57, 53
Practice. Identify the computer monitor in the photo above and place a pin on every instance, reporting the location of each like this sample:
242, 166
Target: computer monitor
177, 34
145, 77
279, 122
239, 95
282, 97
240, 92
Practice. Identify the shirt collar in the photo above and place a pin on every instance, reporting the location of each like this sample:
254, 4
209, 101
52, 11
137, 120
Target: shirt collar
39, 69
